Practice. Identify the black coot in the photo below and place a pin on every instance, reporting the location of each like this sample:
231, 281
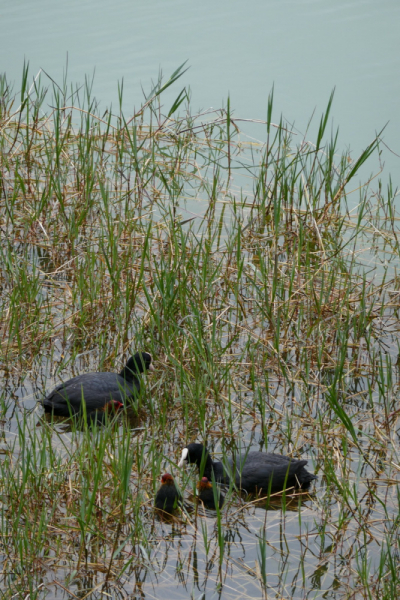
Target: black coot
252, 471
167, 497
101, 392
206, 494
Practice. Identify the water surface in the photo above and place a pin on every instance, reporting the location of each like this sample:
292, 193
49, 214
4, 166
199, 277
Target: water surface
305, 48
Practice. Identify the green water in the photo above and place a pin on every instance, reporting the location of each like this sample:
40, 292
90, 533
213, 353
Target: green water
304, 48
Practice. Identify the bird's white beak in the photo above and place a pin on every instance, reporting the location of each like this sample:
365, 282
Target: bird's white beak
184, 456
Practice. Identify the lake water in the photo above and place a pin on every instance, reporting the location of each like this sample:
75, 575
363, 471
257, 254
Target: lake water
304, 48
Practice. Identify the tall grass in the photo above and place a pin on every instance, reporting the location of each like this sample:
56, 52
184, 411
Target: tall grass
262, 277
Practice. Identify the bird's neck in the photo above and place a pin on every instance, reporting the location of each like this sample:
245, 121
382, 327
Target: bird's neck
208, 468
127, 374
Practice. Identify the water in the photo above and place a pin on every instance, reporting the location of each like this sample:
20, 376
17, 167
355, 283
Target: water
304, 48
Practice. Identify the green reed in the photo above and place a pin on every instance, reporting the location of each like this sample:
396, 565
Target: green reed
270, 304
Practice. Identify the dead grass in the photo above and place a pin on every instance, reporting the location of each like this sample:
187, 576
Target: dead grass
272, 311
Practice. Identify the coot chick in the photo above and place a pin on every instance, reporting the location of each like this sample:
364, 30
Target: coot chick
206, 494
252, 471
167, 497
100, 392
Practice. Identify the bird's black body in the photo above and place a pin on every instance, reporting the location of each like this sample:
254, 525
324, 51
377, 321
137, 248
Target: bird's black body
252, 471
167, 497
206, 494
106, 392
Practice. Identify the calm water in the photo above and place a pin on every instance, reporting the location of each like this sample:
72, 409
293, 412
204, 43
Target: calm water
303, 47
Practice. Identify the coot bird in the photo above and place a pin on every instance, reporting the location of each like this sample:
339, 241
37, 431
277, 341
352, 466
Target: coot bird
206, 494
252, 471
100, 392
167, 497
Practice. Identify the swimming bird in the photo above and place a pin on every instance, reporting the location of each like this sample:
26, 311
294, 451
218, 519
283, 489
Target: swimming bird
167, 497
206, 494
99, 392
252, 471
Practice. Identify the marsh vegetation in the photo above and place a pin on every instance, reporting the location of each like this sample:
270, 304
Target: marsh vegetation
262, 277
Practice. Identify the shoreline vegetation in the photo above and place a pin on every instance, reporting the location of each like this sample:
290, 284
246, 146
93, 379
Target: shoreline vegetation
262, 277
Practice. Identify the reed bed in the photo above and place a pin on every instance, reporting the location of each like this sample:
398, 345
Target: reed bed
262, 276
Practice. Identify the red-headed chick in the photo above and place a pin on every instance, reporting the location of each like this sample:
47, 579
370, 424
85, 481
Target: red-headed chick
206, 494
167, 497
